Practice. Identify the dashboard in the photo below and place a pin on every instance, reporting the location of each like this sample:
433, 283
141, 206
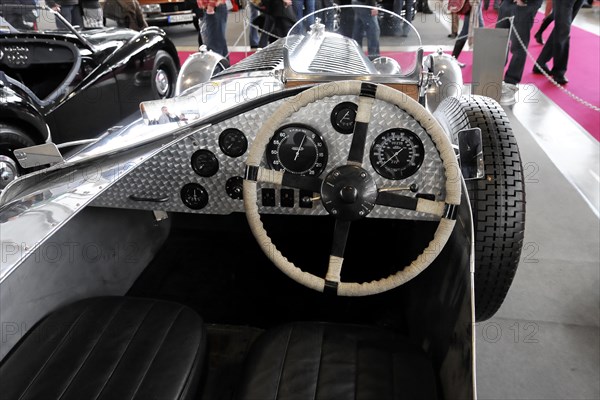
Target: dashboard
23, 53
202, 173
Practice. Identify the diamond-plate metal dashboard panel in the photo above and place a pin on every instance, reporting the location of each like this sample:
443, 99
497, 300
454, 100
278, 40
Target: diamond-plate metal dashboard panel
166, 173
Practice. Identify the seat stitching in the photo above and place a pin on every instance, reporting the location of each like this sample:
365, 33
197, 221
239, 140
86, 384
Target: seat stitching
320, 363
158, 348
282, 366
62, 341
125, 351
91, 350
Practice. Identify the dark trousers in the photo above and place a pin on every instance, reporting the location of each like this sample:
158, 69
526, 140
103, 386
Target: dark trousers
213, 30
557, 46
522, 25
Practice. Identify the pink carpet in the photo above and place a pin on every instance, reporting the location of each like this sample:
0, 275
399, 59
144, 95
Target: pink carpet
584, 74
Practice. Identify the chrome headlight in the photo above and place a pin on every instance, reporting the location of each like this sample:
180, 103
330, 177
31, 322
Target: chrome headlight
151, 8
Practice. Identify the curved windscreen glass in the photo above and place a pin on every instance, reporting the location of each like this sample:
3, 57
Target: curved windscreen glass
364, 39
27, 18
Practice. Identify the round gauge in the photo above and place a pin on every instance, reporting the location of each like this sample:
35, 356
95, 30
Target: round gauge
297, 149
233, 142
205, 163
235, 187
194, 196
397, 154
343, 116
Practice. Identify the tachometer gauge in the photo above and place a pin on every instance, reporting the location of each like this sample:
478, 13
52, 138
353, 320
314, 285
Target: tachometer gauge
297, 149
397, 153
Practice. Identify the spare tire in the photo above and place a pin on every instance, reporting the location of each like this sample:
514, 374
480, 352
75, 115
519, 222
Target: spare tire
497, 200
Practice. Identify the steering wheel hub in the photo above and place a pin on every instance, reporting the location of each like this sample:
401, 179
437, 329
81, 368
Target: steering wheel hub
349, 193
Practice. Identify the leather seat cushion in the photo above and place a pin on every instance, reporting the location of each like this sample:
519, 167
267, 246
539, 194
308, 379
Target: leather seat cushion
108, 348
307, 361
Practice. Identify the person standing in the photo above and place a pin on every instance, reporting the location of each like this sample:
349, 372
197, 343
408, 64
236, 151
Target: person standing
302, 9
252, 14
523, 12
214, 25
473, 19
69, 9
365, 21
557, 46
398, 6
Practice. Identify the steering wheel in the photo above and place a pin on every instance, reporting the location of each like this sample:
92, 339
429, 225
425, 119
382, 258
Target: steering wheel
348, 192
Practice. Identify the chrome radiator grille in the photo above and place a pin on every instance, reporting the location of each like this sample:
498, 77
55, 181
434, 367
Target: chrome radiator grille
266, 59
339, 54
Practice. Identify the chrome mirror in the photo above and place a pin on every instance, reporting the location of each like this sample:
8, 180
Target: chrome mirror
470, 154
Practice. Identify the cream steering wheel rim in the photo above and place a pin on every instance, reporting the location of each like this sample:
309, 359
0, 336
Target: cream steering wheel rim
445, 210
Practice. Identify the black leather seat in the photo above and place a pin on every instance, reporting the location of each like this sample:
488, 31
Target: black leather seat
115, 348
306, 361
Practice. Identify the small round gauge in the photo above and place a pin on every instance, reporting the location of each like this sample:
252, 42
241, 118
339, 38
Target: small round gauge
235, 187
194, 196
343, 117
233, 142
397, 153
297, 149
205, 163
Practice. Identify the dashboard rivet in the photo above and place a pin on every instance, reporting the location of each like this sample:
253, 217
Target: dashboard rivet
333, 211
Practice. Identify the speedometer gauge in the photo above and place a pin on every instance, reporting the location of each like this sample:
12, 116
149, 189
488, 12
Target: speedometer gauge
297, 149
397, 153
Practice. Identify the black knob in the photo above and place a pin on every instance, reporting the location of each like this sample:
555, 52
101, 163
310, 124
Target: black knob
348, 194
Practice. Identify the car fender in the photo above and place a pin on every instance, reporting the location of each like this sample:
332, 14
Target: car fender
18, 108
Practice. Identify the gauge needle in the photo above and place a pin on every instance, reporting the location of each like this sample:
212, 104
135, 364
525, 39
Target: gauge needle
394, 155
345, 116
299, 147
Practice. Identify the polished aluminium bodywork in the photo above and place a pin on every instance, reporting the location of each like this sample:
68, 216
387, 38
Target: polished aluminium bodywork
199, 68
37, 209
447, 80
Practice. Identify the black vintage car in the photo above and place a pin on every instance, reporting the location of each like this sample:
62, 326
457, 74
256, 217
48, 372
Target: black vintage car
62, 84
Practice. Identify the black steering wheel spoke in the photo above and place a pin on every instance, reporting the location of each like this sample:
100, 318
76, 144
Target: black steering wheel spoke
363, 117
282, 178
390, 199
336, 257
395, 200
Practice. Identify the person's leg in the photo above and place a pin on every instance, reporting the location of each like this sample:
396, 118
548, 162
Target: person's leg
462, 37
454, 27
267, 27
66, 12
76, 17
409, 15
373, 32
253, 32
507, 9
523, 22
309, 7
298, 6
545, 23
564, 13
358, 29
